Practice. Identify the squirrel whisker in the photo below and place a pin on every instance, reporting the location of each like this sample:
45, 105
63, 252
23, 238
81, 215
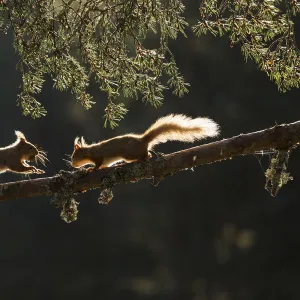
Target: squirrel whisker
68, 163
43, 155
41, 158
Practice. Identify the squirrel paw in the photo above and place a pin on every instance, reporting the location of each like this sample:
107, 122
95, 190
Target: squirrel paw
118, 163
38, 171
155, 154
91, 169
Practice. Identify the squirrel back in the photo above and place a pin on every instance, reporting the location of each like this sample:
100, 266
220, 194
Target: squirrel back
179, 128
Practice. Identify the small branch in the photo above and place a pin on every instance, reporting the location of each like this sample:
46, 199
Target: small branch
278, 137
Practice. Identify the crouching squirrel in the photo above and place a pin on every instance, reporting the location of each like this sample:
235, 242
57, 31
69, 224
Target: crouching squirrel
132, 147
15, 156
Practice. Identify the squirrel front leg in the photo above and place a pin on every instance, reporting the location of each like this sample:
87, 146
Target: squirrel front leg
97, 165
24, 168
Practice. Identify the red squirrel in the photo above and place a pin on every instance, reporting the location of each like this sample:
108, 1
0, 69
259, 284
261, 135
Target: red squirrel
132, 147
15, 156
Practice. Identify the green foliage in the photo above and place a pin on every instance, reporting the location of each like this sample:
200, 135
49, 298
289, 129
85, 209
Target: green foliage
4, 18
114, 113
265, 31
77, 41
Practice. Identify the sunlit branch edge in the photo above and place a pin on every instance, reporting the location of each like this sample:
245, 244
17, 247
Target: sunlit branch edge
282, 137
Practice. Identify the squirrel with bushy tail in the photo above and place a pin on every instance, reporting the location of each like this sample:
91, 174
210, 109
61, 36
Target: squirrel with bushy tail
133, 147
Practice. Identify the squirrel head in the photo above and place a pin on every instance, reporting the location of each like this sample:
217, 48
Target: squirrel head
79, 156
28, 151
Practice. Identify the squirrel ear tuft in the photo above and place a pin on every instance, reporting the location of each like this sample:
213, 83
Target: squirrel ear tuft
76, 142
20, 135
83, 143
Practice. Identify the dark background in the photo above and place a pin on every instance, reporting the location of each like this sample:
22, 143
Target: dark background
214, 233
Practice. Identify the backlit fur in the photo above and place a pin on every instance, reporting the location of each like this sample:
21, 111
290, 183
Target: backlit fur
13, 157
131, 147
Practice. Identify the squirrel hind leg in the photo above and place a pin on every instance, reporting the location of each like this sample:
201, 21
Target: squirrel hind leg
98, 164
142, 156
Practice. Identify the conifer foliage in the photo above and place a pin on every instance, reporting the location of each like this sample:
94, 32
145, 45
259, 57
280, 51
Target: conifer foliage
74, 42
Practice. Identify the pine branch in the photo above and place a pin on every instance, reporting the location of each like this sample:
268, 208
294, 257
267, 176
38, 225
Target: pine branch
280, 137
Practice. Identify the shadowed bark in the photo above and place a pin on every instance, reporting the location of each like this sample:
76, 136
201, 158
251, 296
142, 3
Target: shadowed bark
278, 137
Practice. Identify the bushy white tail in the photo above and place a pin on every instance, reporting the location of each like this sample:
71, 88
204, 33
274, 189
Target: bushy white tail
180, 128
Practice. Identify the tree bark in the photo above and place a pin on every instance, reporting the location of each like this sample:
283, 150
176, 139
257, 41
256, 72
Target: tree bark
282, 137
